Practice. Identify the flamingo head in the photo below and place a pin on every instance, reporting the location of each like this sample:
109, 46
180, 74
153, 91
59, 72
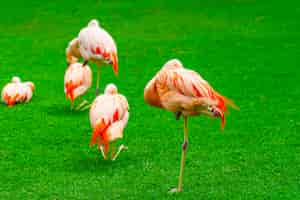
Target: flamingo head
113, 60
72, 51
216, 112
111, 89
70, 56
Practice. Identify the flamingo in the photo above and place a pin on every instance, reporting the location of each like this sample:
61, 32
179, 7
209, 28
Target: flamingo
184, 92
78, 79
109, 116
17, 91
93, 44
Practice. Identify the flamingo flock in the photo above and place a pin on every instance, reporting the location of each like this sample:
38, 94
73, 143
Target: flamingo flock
174, 88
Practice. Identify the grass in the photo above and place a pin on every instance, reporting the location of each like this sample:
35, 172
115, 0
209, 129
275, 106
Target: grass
248, 50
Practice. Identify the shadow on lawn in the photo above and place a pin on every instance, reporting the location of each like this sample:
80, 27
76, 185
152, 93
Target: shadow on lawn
94, 162
62, 109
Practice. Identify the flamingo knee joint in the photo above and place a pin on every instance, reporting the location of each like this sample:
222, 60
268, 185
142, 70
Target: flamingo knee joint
185, 145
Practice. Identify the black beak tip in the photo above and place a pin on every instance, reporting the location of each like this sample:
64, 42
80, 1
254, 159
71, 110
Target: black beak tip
216, 113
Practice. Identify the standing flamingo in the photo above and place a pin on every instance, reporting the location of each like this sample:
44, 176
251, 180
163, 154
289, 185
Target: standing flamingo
78, 79
93, 44
184, 92
17, 91
109, 116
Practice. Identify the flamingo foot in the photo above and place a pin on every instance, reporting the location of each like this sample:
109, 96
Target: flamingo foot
101, 148
122, 147
83, 106
97, 92
174, 190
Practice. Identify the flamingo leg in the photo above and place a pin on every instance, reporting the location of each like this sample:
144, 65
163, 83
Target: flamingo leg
121, 148
98, 80
183, 155
101, 148
82, 106
86, 106
177, 115
113, 150
72, 105
85, 62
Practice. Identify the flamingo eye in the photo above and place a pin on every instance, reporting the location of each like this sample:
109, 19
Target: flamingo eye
109, 61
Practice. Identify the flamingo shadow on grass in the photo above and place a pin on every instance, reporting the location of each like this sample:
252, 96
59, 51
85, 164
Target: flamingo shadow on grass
62, 109
92, 161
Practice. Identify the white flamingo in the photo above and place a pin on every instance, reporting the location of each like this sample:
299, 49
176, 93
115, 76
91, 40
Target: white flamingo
17, 92
78, 79
109, 116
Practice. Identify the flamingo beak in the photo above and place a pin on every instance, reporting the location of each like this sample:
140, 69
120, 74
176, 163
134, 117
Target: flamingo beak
220, 114
114, 60
223, 120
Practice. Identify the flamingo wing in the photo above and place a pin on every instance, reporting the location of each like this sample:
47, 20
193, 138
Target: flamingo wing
11, 93
74, 78
108, 117
96, 43
104, 107
189, 83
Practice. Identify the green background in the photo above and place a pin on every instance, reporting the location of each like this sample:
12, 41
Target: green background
248, 50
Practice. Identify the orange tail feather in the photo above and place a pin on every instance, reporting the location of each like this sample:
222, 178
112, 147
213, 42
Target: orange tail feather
70, 87
226, 101
115, 63
99, 133
11, 100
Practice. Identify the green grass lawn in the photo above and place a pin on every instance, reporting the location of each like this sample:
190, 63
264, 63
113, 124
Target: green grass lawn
248, 50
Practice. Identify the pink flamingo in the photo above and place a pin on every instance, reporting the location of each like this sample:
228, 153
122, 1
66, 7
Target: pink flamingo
184, 92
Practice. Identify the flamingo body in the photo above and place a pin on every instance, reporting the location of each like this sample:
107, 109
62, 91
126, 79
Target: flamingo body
78, 79
93, 44
108, 116
17, 92
178, 89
